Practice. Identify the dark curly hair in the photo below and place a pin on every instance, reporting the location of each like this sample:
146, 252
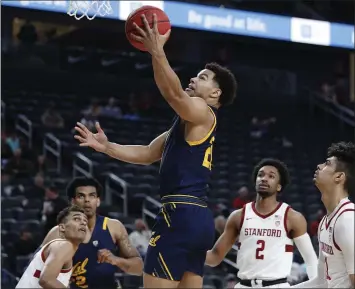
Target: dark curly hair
82, 182
279, 165
62, 216
345, 155
226, 81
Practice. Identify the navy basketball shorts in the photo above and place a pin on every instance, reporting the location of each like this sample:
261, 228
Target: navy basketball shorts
182, 234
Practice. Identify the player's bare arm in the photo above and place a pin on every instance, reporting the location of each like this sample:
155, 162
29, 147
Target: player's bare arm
225, 242
54, 234
191, 109
134, 154
297, 226
59, 255
344, 238
129, 260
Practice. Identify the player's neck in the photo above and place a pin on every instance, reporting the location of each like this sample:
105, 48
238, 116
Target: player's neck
92, 222
265, 205
332, 198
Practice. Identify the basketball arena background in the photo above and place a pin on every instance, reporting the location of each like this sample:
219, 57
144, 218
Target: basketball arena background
294, 61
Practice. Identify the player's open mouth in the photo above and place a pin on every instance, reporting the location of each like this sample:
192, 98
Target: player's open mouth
82, 230
189, 88
263, 186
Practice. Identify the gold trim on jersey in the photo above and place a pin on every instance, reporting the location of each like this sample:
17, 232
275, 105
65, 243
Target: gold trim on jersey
165, 267
198, 142
185, 203
104, 224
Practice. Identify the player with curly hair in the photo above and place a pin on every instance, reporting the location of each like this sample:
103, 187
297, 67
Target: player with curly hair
266, 230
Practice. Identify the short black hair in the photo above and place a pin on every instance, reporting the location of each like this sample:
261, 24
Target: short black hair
61, 218
83, 182
226, 81
345, 154
279, 165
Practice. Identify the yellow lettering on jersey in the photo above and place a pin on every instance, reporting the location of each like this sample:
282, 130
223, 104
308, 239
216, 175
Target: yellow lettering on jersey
207, 160
78, 272
153, 241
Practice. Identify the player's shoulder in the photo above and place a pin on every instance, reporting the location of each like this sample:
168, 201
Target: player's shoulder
237, 216
346, 215
115, 226
61, 245
294, 216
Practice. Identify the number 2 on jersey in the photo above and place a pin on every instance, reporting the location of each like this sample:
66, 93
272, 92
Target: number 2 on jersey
207, 160
259, 249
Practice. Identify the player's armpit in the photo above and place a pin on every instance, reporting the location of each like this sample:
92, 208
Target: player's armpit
225, 242
59, 254
131, 262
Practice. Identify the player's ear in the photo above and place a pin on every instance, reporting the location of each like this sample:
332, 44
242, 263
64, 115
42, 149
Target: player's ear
98, 202
61, 229
339, 177
216, 93
278, 188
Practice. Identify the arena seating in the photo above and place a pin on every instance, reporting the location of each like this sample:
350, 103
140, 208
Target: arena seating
235, 154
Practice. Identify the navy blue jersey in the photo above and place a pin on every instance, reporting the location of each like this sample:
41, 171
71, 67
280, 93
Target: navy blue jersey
186, 166
87, 272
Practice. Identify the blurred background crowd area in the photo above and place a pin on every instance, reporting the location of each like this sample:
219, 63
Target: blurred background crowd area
293, 101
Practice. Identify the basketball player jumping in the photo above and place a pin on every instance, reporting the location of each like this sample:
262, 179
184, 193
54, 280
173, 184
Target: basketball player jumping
266, 230
51, 266
107, 245
184, 228
335, 179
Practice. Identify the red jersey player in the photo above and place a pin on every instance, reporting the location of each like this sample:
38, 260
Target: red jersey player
266, 230
335, 179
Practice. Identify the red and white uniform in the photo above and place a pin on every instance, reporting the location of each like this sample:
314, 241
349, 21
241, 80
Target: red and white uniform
335, 235
30, 278
265, 248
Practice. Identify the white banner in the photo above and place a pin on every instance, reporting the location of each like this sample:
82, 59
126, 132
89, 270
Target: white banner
310, 31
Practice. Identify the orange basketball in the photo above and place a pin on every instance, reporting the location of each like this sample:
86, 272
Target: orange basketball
148, 11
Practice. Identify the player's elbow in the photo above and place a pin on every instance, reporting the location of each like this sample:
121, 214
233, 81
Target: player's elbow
45, 282
139, 267
136, 267
213, 259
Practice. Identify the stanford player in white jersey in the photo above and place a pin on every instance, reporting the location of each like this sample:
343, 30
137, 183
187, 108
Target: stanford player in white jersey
266, 230
51, 266
335, 179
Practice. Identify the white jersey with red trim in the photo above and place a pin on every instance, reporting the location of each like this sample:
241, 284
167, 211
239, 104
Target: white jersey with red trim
30, 278
265, 249
336, 272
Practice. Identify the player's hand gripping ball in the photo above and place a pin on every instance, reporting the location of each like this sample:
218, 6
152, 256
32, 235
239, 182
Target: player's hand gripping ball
148, 28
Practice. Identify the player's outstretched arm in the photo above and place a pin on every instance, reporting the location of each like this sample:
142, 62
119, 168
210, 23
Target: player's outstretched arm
225, 242
60, 253
191, 109
344, 239
134, 154
319, 281
298, 231
130, 262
